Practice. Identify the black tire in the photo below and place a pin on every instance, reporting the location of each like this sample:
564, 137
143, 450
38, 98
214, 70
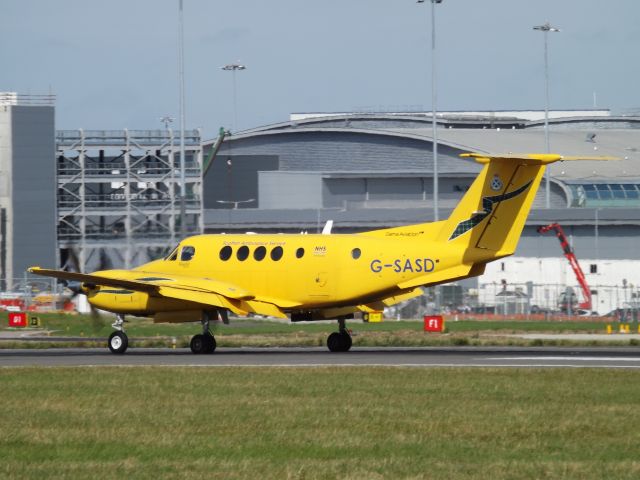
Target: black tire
339, 342
209, 343
333, 342
118, 342
346, 342
198, 344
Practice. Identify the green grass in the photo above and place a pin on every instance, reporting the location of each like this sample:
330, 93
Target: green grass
359, 422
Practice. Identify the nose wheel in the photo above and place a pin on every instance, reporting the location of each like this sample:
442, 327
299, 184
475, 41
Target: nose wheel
118, 340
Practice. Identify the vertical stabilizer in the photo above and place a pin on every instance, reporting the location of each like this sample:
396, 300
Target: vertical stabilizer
493, 212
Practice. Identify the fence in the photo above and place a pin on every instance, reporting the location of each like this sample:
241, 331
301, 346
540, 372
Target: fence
556, 298
31, 293
524, 301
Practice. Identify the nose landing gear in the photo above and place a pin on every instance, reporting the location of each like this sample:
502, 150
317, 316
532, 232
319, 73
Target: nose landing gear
118, 340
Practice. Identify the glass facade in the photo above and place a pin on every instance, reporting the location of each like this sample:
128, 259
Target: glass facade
605, 194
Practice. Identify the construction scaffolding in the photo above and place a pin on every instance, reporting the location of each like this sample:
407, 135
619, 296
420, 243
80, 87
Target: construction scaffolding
118, 196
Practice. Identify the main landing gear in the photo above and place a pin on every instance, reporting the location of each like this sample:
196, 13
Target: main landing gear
118, 340
340, 341
204, 342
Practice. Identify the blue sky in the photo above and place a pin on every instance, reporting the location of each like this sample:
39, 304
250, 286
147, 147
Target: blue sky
114, 64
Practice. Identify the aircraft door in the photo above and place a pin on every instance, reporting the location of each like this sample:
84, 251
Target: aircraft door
319, 289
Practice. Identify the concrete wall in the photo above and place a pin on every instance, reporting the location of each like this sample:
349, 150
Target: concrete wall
339, 192
235, 182
31, 199
290, 190
5, 191
613, 242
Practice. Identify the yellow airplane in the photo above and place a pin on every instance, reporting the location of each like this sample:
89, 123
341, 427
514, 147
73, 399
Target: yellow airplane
319, 277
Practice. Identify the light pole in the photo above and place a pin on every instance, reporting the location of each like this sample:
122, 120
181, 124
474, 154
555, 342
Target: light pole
546, 28
183, 187
434, 99
167, 120
233, 68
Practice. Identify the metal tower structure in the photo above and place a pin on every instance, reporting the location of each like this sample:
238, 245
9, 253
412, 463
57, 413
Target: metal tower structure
118, 195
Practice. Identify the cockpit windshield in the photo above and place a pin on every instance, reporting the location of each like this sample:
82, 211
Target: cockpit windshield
173, 255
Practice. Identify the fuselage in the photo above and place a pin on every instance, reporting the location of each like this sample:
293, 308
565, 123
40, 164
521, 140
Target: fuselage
313, 270
308, 271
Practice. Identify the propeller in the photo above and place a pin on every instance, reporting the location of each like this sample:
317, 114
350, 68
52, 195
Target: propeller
72, 264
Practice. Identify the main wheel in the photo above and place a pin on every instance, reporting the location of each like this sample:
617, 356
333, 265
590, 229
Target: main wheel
118, 342
209, 343
339, 342
333, 342
197, 344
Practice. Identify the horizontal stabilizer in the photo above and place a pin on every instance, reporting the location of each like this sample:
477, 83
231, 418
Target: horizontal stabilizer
533, 158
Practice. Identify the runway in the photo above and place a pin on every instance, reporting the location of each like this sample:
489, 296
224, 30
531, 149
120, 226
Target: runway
514, 357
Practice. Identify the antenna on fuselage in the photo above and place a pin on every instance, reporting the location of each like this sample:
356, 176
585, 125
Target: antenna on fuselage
327, 227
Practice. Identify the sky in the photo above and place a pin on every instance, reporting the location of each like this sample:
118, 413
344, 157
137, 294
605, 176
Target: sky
114, 64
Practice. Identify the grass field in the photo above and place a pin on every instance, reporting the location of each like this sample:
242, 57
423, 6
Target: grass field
356, 423
258, 332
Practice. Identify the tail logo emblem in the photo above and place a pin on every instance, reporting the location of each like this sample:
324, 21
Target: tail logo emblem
487, 208
496, 183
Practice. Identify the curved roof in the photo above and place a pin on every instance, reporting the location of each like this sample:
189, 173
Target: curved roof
585, 137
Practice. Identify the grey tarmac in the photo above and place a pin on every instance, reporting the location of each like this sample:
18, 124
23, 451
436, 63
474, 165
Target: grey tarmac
522, 357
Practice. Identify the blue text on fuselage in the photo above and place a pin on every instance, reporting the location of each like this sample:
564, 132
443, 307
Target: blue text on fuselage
413, 265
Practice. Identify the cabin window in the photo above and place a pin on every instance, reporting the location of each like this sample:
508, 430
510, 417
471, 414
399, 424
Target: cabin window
260, 253
173, 255
187, 253
242, 253
355, 253
225, 253
300, 252
276, 253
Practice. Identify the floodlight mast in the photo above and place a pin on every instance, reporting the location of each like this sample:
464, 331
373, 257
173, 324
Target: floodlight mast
183, 187
546, 28
434, 98
233, 68
167, 120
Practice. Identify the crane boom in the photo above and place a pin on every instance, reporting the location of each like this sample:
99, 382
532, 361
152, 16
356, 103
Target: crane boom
573, 261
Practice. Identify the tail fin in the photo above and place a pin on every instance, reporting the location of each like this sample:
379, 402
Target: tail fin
493, 212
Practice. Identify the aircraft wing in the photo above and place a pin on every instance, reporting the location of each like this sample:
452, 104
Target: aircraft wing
201, 290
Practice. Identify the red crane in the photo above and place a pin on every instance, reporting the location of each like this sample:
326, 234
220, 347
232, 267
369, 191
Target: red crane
573, 261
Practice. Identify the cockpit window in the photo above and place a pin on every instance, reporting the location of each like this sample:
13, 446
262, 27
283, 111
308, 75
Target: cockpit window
187, 253
173, 255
